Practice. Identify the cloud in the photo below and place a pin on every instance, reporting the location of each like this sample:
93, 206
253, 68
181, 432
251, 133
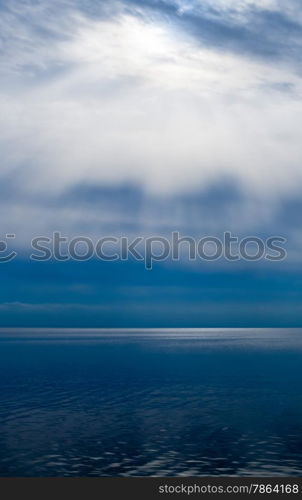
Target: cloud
37, 295
169, 97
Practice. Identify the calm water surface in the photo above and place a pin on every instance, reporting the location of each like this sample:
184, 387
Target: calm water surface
160, 403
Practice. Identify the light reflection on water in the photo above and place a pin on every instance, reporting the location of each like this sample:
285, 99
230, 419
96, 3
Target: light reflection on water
166, 403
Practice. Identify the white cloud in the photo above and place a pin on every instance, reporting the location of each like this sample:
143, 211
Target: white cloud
242, 4
136, 102
127, 100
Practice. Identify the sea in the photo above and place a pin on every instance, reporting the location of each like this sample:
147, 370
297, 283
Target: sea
125, 403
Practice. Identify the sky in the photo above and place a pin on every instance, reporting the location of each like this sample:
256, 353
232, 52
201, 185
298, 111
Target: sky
141, 118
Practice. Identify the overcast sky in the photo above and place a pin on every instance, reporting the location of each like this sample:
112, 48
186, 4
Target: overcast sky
169, 95
140, 116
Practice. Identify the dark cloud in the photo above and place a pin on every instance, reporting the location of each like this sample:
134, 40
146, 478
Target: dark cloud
98, 294
126, 208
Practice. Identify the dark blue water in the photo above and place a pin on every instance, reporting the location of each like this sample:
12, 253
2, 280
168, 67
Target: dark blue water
178, 403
